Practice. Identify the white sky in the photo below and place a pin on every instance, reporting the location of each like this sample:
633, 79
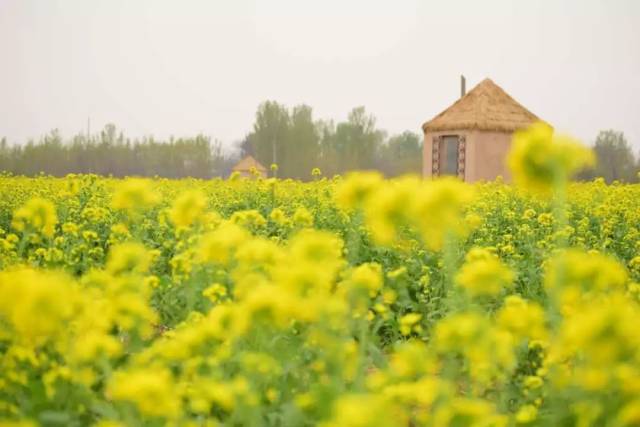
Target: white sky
180, 67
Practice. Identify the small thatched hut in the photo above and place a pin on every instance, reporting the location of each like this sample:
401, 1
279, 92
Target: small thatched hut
248, 165
472, 137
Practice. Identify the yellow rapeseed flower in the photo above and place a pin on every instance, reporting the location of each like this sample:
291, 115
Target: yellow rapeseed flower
128, 257
37, 215
356, 188
486, 276
438, 208
539, 159
188, 208
134, 194
37, 305
151, 389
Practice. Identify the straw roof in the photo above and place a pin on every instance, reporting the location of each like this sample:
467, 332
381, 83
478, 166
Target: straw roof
486, 107
247, 163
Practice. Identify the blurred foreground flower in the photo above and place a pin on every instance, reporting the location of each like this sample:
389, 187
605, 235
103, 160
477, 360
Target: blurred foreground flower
540, 159
37, 215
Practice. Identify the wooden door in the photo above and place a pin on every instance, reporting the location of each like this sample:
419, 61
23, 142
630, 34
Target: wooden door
449, 151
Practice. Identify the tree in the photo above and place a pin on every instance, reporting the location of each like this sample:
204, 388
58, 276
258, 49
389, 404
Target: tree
5, 155
289, 138
328, 155
110, 152
356, 141
244, 146
401, 154
302, 143
268, 138
615, 160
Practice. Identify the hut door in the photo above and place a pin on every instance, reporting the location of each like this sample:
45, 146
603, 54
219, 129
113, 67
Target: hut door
449, 150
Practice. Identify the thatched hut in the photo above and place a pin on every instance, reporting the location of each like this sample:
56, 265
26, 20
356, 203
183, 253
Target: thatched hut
249, 168
472, 137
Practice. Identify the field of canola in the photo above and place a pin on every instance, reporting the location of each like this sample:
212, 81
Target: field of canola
352, 301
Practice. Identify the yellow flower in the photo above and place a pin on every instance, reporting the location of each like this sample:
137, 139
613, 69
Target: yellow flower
545, 219
152, 390
367, 277
484, 276
152, 281
278, 216
37, 215
533, 382
539, 160
468, 412
524, 319
134, 194
37, 305
438, 208
603, 332
356, 188
386, 209
526, 414
408, 323
587, 271
411, 358
258, 253
488, 350
92, 344
70, 228
215, 292
250, 219
634, 264
108, 423
128, 258
188, 208
302, 217
219, 245
361, 410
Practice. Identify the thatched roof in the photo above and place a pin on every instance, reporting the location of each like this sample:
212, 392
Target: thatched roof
247, 163
486, 107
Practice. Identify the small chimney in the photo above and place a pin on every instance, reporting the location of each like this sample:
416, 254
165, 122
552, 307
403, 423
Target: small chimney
463, 86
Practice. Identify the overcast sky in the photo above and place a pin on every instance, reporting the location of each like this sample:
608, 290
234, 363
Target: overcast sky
169, 67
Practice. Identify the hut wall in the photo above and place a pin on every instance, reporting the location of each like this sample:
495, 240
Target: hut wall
487, 156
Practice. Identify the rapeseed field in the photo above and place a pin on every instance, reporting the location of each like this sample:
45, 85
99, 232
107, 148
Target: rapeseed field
346, 301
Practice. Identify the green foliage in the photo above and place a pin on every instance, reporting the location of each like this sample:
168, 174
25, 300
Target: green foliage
615, 160
402, 154
110, 153
211, 302
289, 137
298, 143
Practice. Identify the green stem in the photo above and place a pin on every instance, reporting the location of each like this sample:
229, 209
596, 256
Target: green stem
363, 338
560, 223
449, 259
559, 210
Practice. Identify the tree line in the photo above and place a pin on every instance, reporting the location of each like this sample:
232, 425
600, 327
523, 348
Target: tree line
297, 143
615, 160
110, 153
289, 137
